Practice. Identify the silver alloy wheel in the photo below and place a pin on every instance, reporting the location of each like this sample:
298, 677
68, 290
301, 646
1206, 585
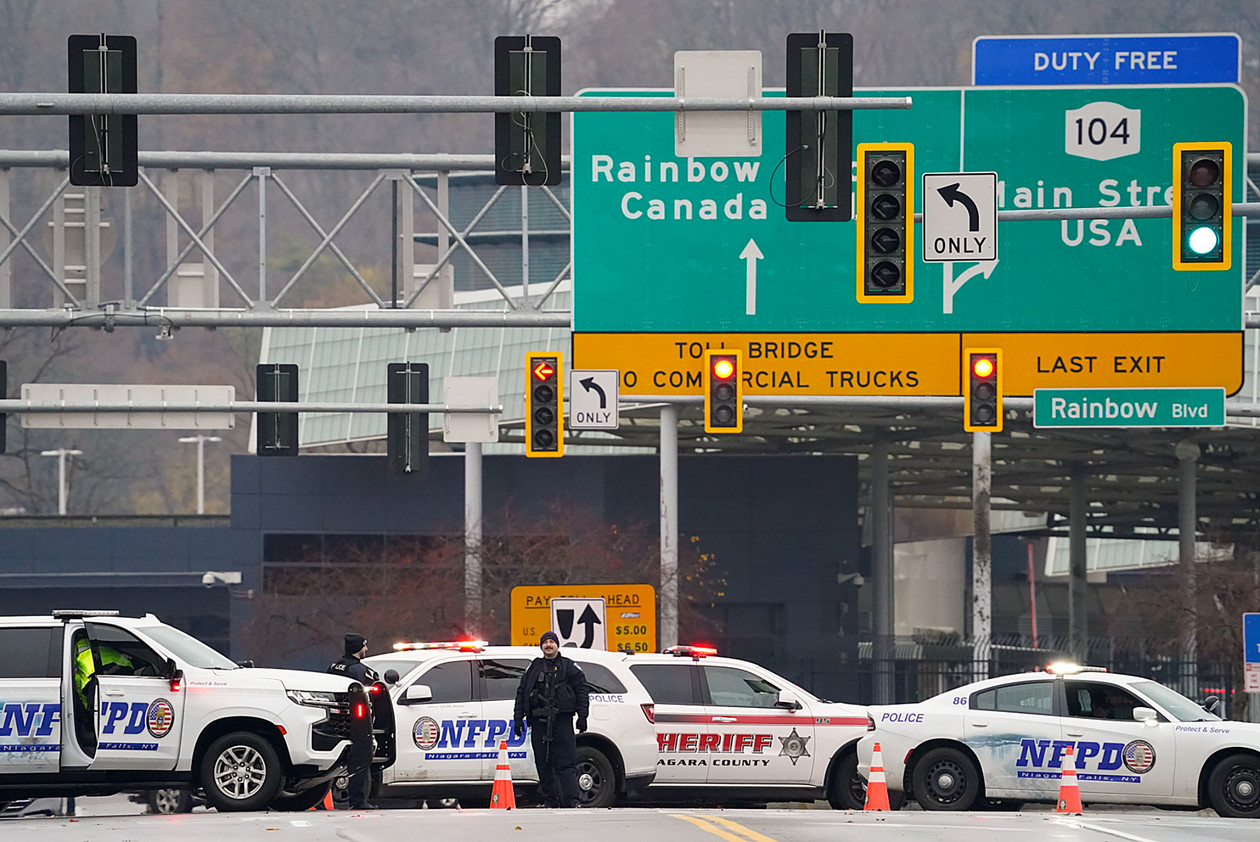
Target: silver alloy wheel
168, 801
239, 771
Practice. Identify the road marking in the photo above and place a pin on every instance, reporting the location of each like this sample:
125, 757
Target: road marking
1109, 831
745, 834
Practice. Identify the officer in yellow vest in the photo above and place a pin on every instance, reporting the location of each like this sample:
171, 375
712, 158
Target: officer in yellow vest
112, 662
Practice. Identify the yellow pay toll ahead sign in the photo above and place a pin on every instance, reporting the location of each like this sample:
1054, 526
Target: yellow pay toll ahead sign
629, 614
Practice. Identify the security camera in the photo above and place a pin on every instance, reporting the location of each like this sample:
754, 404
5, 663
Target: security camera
208, 579
215, 577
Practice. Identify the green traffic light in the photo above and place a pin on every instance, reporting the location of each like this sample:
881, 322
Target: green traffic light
1203, 240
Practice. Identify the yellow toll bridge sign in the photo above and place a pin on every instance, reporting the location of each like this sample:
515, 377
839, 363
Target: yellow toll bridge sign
629, 613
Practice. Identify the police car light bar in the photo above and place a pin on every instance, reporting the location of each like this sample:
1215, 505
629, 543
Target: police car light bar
78, 614
456, 645
1068, 668
694, 652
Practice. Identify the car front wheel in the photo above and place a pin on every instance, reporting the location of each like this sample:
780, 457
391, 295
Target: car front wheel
946, 779
240, 772
166, 802
596, 780
1234, 787
848, 789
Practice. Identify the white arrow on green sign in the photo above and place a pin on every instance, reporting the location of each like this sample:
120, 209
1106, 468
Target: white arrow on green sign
1172, 407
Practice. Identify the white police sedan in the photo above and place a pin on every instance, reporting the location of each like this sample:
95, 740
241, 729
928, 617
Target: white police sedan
1000, 742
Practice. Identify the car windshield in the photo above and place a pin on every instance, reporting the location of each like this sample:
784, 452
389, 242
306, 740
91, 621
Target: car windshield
387, 663
1173, 702
188, 649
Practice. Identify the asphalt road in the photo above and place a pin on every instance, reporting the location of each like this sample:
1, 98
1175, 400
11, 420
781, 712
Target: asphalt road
635, 825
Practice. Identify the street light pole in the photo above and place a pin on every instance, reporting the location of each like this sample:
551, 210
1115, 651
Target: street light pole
61, 453
201, 466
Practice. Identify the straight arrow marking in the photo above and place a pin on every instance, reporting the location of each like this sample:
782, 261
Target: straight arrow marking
751, 254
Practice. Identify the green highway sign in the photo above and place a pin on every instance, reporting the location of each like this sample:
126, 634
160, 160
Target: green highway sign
663, 244
1202, 407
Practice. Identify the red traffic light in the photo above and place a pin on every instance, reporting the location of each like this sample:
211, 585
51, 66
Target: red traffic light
544, 370
983, 367
723, 367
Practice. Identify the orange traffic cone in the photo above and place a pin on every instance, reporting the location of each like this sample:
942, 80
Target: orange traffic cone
328, 800
877, 784
503, 796
1069, 789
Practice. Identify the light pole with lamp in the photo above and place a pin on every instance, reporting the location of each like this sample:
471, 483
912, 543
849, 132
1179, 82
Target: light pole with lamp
61, 453
201, 466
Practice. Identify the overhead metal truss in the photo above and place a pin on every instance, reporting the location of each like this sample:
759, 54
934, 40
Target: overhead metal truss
1132, 474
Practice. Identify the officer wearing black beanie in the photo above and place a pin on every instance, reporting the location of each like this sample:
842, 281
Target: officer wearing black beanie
350, 666
551, 693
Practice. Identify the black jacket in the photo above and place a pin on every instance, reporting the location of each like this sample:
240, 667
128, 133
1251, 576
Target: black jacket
572, 692
352, 667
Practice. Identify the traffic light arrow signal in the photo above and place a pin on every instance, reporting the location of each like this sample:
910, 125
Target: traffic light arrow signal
590, 385
543, 370
950, 193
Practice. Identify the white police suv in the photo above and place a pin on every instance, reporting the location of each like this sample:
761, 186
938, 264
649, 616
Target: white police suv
92, 703
453, 705
729, 731
1002, 741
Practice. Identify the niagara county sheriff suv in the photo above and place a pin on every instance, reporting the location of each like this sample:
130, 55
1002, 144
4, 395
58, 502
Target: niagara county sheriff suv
453, 704
165, 710
732, 731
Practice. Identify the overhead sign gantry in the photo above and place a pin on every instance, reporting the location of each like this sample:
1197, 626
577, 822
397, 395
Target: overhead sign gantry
666, 251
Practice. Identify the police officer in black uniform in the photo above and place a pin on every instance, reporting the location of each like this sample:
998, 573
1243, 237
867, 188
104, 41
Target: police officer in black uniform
350, 666
551, 693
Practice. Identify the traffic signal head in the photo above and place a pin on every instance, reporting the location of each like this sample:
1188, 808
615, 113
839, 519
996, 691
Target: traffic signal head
526, 143
407, 433
723, 393
277, 431
982, 399
819, 143
1201, 205
104, 148
544, 397
885, 226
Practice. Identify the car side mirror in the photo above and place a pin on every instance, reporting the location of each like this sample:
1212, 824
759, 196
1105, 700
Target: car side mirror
245, 664
417, 693
391, 676
1146, 715
788, 700
1212, 704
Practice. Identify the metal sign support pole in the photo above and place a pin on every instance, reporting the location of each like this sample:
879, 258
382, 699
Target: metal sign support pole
981, 552
882, 607
472, 538
668, 631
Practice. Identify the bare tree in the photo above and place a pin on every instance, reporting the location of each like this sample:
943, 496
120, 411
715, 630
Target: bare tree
412, 588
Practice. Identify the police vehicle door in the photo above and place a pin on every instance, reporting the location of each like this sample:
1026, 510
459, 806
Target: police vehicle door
1115, 753
751, 739
498, 679
30, 704
447, 730
681, 724
1014, 732
139, 717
